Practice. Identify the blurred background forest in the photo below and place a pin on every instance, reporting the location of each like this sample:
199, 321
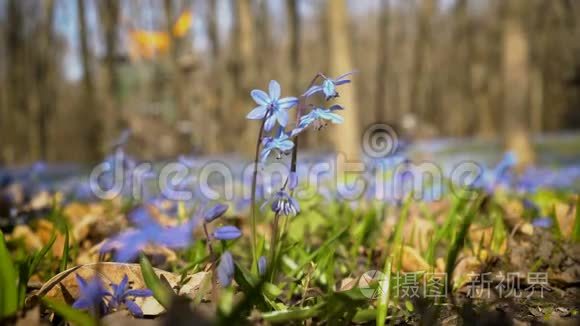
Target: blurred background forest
75, 73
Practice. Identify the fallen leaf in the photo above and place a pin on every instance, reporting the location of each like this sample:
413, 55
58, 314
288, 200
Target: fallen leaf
411, 260
64, 286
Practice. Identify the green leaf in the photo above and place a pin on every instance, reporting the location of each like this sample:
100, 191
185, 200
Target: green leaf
65, 250
161, 292
576, 229
286, 316
8, 282
385, 289
69, 313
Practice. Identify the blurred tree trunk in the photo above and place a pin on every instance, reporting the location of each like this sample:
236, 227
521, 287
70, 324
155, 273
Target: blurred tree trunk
215, 101
382, 65
178, 79
346, 137
420, 88
242, 71
294, 46
264, 40
47, 77
110, 15
89, 106
516, 82
17, 104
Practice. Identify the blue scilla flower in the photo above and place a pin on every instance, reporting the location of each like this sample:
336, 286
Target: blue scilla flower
92, 295
283, 204
319, 118
123, 295
262, 265
271, 106
328, 86
226, 269
542, 222
281, 144
490, 179
215, 212
228, 232
130, 243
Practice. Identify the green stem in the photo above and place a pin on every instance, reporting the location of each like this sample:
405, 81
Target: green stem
253, 198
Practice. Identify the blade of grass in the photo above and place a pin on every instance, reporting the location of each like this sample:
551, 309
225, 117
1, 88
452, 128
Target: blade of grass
65, 249
385, 288
160, 292
69, 313
459, 242
576, 229
8, 282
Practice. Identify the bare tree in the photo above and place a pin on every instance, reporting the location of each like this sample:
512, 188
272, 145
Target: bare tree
382, 64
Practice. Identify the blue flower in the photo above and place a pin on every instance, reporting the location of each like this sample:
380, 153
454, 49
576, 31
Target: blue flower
282, 144
122, 294
215, 212
130, 243
318, 118
228, 232
262, 265
489, 180
283, 204
226, 269
92, 295
542, 222
271, 106
328, 86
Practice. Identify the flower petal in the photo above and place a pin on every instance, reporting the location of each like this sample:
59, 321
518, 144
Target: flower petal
228, 232
260, 97
282, 117
215, 212
134, 308
257, 113
287, 103
274, 89
312, 90
139, 293
270, 122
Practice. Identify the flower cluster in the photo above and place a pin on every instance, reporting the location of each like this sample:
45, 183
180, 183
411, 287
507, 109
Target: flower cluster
273, 111
95, 298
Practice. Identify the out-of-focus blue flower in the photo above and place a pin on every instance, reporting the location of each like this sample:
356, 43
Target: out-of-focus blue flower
282, 144
489, 180
92, 295
543, 222
271, 106
292, 180
283, 204
262, 265
328, 86
318, 118
215, 212
228, 232
130, 243
122, 294
226, 269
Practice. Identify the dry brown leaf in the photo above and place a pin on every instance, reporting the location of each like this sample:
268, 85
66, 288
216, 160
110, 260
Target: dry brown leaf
31, 241
411, 260
63, 286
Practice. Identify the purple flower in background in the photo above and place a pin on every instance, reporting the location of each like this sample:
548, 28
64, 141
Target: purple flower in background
92, 295
271, 106
292, 180
319, 118
328, 86
489, 180
543, 222
228, 232
130, 243
281, 144
262, 265
226, 269
122, 294
215, 212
